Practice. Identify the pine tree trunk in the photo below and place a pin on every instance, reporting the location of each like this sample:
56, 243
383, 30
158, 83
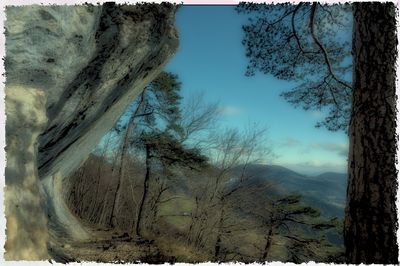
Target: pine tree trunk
371, 219
122, 159
144, 195
121, 172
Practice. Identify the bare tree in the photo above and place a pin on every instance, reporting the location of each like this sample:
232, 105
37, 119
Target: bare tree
232, 151
197, 117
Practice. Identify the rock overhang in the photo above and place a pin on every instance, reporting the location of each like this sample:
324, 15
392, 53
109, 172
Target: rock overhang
87, 63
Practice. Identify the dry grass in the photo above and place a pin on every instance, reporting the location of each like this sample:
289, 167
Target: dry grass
181, 251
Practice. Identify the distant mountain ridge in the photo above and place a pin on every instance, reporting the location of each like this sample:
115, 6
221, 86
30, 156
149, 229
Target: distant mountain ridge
326, 191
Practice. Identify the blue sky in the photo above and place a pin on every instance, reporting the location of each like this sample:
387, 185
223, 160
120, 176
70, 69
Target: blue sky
211, 58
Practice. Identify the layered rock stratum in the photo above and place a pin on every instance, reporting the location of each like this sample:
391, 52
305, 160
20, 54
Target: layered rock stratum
70, 73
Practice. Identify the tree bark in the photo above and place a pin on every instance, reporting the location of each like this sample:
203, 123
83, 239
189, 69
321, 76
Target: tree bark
371, 218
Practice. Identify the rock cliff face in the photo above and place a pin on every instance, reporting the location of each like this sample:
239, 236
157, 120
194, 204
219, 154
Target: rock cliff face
71, 71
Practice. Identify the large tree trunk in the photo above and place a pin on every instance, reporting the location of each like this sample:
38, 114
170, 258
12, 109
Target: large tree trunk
371, 219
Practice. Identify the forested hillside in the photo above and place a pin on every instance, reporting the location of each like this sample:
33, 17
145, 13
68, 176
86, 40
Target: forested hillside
164, 175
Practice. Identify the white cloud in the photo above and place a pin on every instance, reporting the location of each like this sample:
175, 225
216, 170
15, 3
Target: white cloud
230, 110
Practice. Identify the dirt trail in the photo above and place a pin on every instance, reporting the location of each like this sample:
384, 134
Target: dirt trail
74, 239
109, 246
